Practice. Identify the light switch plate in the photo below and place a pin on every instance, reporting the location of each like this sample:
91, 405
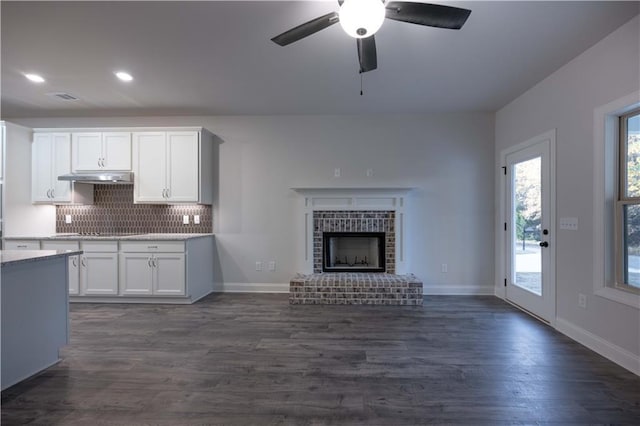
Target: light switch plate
569, 223
185, 219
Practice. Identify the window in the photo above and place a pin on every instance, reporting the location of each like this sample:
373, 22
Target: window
628, 204
616, 200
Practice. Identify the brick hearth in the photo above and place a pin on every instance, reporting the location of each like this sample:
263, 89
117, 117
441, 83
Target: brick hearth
355, 289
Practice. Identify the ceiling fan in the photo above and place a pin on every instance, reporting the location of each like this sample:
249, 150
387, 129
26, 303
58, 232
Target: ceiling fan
362, 18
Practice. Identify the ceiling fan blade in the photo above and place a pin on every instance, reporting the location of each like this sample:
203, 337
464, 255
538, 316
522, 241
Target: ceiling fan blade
432, 15
306, 29
367, 54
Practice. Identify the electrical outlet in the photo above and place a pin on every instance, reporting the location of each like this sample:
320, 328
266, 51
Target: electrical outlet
272, 265
196, 219
445, 268
337, 172
582, 301
185, 219
369, 172
67, 218
258, 266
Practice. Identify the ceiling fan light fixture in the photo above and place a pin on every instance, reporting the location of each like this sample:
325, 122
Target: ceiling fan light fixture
361, 18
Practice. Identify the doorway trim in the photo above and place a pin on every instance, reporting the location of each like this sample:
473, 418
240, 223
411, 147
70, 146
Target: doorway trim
502, 235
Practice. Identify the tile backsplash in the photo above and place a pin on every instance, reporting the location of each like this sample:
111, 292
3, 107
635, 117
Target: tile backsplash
113, 211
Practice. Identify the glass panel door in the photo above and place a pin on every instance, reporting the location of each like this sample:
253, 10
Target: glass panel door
529, 224
526, 213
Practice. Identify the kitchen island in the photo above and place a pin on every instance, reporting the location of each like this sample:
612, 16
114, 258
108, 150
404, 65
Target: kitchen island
35, 307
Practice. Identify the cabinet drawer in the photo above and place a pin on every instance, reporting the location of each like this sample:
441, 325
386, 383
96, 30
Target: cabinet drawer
99, 246
152, 246
60, 245
22, 245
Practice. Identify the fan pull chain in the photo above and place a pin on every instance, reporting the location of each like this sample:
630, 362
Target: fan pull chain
361, 83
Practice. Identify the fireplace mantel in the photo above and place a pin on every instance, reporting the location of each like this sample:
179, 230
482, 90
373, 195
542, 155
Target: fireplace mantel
314, 199
356, 198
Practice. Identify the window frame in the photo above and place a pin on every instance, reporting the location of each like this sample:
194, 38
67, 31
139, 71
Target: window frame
622, 201
606, 130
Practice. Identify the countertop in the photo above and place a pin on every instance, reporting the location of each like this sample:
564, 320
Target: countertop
11, 257
136, 237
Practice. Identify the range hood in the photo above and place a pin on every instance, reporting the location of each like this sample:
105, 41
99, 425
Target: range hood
99, 177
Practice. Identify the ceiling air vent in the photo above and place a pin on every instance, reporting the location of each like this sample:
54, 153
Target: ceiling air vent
63, 96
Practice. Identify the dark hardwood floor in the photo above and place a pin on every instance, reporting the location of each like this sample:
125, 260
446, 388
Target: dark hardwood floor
252, 359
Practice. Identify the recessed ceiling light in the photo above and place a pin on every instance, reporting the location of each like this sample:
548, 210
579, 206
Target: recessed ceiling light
124, 76
35, 78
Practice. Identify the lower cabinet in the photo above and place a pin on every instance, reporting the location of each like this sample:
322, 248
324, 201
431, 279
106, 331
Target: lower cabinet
152, 268
135, 270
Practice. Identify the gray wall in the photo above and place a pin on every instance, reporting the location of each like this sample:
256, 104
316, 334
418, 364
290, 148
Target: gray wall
566, 101
448, 158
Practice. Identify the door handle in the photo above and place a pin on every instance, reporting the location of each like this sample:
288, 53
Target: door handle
544, 244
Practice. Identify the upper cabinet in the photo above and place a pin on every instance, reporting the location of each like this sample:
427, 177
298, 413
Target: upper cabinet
92, 151
172, 167
51, 157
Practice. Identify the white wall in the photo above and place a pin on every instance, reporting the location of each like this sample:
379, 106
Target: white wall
448, 158
21, 217
566, 101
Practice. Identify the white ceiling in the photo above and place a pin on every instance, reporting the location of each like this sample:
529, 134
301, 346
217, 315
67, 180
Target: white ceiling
216, 58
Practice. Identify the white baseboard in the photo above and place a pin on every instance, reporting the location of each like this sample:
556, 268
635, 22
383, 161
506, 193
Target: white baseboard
615, 353
254, 288
458, 290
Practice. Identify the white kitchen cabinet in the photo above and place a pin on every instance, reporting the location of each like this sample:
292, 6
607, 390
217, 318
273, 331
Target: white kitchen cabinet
172, 167
99, 268
21, 245
74, 261
51, 157
152, 268
92, 151
136, 274
168, 278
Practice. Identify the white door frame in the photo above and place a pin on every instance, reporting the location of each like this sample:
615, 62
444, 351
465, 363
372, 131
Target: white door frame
502, 266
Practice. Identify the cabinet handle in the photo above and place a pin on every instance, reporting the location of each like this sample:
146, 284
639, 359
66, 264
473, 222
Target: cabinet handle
53, 193
152, 247
168, 193
155, 265
74, 261
83, 263
22, 246
149, 262
102, 162
48, 193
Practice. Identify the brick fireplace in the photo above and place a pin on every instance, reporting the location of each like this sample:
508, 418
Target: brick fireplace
356, 222
361, 213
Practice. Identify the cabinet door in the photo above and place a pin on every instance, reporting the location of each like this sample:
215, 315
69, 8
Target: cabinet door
87, 151
149, 167
116, 149
169, 278
74, 275
99, 273
182, 166
61, 166
41, 167
136, 273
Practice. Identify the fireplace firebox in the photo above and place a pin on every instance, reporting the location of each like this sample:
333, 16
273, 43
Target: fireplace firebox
353, 252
